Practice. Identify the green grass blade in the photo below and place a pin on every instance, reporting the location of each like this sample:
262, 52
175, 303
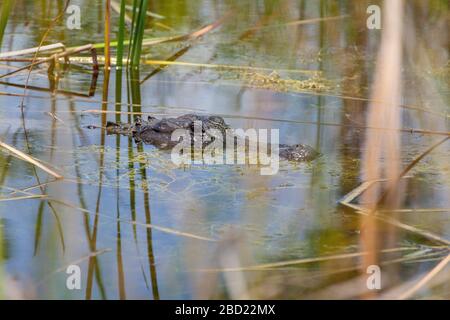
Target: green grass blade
4, 15
138, 34
121, 35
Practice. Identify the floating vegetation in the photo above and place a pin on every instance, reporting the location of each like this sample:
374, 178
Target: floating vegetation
274, 82
373, 103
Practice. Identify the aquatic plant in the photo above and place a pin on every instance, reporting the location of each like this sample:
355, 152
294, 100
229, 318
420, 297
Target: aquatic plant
121, 35
137, 31
4, 15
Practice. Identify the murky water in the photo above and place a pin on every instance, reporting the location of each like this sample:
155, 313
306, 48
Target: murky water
138, 226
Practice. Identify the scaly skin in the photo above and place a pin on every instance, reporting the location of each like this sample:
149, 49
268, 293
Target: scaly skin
158, 132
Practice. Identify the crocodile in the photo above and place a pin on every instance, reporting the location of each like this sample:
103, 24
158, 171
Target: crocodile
158, 132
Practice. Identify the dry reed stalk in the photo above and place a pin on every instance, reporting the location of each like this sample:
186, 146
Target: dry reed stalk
37, 196
29, 159
350, 197
394, 184
131, 222
279, 264
54, 57
76, 262
430, 275
298, 23
31, 50
107, 34
386, 88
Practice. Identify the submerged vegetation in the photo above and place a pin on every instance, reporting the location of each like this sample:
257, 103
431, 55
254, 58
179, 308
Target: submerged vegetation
373, 102
274, 82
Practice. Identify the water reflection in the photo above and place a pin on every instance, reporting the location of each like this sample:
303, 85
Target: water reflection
139, 227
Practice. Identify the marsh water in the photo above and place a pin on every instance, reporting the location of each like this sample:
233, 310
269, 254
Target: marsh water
139, 226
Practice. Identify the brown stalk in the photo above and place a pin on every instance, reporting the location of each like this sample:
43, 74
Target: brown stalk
29, 159
394, 184
53, 57
107, 33
430, 275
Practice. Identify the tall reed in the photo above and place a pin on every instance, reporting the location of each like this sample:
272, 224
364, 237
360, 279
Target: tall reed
137, 31
107, 34
384, 111
121, 35
4, 15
